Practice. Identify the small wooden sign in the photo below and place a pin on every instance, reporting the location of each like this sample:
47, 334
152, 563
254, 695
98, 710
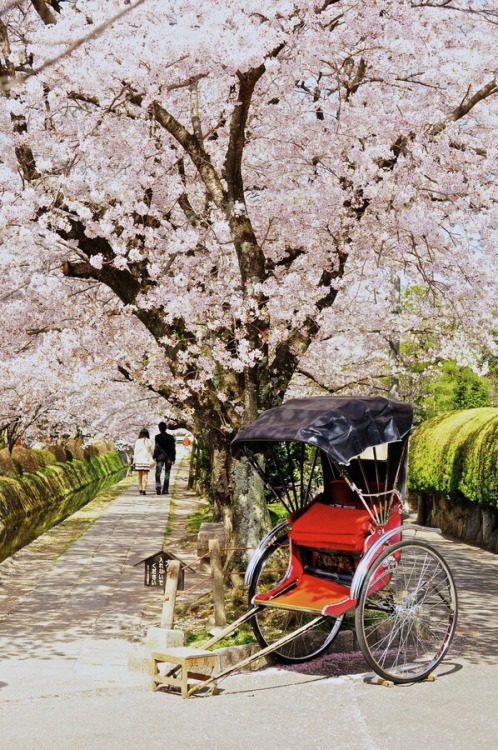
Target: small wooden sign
156, 569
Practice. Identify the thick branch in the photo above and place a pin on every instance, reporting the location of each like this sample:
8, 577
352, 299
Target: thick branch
467, 103
326, 4
290, 351
233, 161
194, 112
193, 148
122, 282
44, 11
291, 254
127, 288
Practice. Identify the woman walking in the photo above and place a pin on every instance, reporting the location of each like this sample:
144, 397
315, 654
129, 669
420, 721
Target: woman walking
142, 459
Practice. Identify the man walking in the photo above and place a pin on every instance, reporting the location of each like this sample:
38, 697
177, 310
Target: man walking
164, 455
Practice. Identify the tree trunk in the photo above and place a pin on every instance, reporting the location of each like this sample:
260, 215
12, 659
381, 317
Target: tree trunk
251, 518
394, 340
238, 495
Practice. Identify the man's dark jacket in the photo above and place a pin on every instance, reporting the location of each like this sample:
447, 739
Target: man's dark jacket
165, 449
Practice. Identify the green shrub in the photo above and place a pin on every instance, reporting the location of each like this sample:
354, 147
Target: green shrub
456, 454
48, 457
90, 452
39, 457
59, 452
74, 447
26, 458
101, 447
456, 388
7, 466
23, 494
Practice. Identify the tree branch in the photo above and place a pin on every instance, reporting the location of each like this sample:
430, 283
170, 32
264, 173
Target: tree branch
44, 11
233, 161
467, 103
163, 391
291, 254
94, 34
199, 157
357, 381
194, 112
289, 352
122, 282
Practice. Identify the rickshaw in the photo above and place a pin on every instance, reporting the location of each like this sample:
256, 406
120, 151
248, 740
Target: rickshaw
338, 466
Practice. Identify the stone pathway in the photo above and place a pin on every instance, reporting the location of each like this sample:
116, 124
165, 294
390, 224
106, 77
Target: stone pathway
74, 617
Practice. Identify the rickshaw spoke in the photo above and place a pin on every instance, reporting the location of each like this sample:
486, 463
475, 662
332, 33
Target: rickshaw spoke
390, 637
408, 643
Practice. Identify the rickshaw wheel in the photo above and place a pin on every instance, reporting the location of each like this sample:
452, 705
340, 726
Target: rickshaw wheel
407, 612
271, 623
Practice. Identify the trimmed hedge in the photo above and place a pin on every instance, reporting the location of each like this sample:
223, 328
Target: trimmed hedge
456, 455
7, 466
25, 460
52, 483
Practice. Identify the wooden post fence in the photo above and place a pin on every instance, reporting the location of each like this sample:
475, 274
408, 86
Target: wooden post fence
168, 613
220, 619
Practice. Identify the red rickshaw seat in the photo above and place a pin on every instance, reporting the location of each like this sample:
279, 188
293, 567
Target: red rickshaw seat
330, 527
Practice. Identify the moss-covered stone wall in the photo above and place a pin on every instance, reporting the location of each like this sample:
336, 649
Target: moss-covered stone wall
33, 479
453, 474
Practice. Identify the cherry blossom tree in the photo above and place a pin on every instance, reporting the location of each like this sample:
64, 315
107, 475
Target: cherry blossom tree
235, 172
60, 383
395, 345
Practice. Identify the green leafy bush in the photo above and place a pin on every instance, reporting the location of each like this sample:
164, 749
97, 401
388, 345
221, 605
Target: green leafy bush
456, 454
48, 457
7, 465
25, 458
39, 457
29, 491
456, 387
59, 452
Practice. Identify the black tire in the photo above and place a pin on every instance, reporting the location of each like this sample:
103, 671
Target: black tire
271, 623
407, 612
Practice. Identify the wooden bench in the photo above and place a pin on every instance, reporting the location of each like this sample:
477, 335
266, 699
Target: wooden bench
188, 661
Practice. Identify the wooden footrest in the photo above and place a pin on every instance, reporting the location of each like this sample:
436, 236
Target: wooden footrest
188, 661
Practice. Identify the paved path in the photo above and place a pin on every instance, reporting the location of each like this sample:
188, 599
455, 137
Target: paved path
64, 681
70, 621
77, 621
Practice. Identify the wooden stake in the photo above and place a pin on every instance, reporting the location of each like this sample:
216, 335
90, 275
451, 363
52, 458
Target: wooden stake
168, 613
220, 619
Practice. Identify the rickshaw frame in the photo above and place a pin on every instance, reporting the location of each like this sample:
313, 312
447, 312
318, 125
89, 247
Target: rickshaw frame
404, 622
342, 430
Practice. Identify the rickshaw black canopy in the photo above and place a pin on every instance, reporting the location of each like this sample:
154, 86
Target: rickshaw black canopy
342, 427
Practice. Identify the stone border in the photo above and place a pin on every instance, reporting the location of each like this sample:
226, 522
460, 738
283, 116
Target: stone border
470, 522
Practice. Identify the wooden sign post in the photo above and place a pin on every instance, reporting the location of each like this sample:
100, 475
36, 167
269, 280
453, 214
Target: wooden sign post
172, 575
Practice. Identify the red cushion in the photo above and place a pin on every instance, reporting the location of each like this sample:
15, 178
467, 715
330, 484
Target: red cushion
338, 492
328, 527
